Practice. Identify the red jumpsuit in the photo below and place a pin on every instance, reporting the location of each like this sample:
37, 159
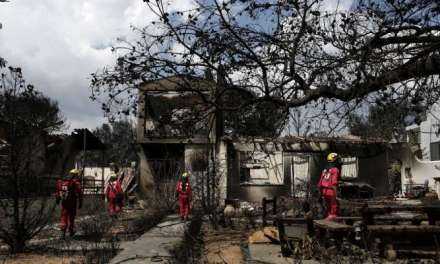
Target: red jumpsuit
327, 184
184, 199
113, 191
69, 193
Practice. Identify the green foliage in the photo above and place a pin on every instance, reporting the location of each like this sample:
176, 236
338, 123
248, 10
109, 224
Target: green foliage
264, 119
24, 109
26, 117
384, 121
119, 139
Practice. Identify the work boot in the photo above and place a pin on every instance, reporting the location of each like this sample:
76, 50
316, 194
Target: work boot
71, 233
63, 234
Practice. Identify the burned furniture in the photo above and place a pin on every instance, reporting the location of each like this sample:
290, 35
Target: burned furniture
401, 228
355, 190
269, 215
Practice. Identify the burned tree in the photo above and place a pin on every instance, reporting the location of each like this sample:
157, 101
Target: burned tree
286, 53
263, 58
26, 117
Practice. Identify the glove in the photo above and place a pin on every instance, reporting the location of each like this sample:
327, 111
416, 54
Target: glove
58, 200
80, 205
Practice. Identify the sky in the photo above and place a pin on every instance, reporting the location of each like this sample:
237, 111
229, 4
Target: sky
59, 43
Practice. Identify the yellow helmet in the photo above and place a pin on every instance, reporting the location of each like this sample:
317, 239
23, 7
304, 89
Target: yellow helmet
74, 172
332, 157
185, 175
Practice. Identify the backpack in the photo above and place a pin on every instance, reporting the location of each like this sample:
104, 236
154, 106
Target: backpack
119, 198
66, 191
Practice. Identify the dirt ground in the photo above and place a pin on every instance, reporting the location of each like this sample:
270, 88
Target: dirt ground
224, 245
130, 224
42, 259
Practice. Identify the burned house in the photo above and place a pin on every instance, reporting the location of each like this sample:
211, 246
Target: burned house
50, 157
169, 144
249, 169
291, 166
420, 154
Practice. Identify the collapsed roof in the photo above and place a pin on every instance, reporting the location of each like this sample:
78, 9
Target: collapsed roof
178, 83
344, 145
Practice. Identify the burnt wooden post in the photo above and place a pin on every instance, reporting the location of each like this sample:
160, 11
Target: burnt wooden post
274, 206
432, 213
286, 250
309, 222
264, 211
367, 215
431, 218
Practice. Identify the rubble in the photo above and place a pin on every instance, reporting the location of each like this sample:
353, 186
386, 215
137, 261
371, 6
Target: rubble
272, 234
223, 246
258, 237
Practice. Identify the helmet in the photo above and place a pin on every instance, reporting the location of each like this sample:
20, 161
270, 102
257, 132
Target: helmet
332, 157
74, 172
185, 175
113, 177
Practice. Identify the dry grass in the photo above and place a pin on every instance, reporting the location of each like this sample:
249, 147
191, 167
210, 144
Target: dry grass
223, 246
42, 259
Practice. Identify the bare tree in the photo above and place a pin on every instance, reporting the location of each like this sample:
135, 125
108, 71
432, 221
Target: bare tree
287, 53
26, 117
300, 123
262, 58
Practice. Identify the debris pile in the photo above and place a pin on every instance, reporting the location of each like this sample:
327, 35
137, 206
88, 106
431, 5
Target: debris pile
380, 228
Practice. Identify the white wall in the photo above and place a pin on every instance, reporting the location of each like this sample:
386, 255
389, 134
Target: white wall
419, 170
428, 131
416, 170
97, 173
265, 168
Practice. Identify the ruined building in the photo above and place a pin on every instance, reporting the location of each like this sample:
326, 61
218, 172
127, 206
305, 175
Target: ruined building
250, 168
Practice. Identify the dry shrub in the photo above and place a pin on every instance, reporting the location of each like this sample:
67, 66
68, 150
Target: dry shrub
145, 222
160, 202
96, 222
101, 252
163, 198
190, 249
98, 244
95, 227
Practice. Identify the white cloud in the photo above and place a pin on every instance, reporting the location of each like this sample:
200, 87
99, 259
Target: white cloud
58, 43
339, 5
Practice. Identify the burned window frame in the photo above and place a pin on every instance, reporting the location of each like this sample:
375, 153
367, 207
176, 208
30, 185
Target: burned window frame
169, 114
245, 175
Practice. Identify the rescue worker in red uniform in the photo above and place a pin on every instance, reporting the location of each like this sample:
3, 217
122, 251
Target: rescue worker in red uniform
69, 194
328, 185
115, 196
183, 191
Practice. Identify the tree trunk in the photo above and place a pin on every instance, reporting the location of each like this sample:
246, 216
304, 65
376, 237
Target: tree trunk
18, 246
